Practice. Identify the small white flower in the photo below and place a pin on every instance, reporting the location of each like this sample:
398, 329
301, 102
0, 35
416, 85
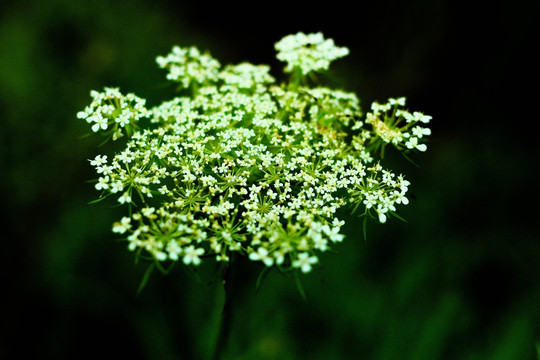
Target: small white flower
134, 240
333, 233
338, 223
304, 262
400, 198
381, 211
222, 257
100, 122
280, 256
82, 115
226, 235
370, 200
422, 147
99, 160
103, 183
418, 116
419, 131
320, 243
126, 157
124, 118
125, 198
174, 250
148, 212
122, 226
399, 101
191, 255
116, 186
309, 52
262, 255
159, 255
412, 143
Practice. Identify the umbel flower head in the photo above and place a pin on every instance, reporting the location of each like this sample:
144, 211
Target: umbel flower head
307, 53
242, 164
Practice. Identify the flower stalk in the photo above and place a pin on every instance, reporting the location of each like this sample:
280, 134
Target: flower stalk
226, 318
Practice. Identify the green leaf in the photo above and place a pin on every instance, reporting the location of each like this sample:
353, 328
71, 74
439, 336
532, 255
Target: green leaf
261, 277
397, 216
299, 285
364, 228
145, 278
164, 270
98, 200
409, 159
85, 135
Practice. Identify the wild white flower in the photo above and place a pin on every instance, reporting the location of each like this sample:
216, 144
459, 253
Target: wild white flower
319, 242
125, 157
173, 249
122, 226
82, 115
148, 212
246, 75
100, 122
308, 52
116, 186
262, 255
124, 118
418, 116
412, 143
400, 198
421, 147
222, 257
333, 233
381, 212
241, 164
125, 198
304, 262
134, 241
99, 160
189, 66
103, 183
398, 101
370, 200
111, 107
191, 255
419, 131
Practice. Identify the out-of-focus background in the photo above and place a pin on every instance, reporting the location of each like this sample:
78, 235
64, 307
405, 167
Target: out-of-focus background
460, 280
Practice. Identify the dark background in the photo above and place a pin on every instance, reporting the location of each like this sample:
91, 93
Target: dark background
460, 280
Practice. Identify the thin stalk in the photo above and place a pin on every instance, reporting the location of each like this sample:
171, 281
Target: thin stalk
227, 277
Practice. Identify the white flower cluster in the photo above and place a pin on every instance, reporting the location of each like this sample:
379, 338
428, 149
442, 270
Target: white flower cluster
246, 76
244, 165
308, 52
188, 66
394, 124
113, 111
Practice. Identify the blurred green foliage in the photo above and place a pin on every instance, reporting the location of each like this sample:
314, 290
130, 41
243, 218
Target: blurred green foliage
460, 280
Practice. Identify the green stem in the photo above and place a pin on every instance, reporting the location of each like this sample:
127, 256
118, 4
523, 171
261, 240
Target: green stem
227, 277
296, 79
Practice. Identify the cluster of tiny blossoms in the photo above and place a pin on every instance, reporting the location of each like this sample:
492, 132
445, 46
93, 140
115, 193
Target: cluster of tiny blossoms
113, 113
394, 125
246, 165
308, 52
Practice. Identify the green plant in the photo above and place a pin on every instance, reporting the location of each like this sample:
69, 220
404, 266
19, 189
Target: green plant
238, 163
